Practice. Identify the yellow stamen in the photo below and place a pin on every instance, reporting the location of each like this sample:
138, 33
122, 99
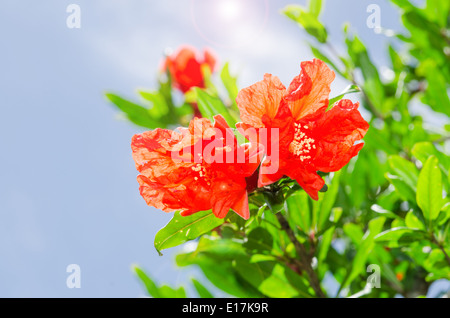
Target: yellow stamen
301, 145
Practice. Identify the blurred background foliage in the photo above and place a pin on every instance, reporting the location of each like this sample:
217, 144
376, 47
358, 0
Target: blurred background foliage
389, 207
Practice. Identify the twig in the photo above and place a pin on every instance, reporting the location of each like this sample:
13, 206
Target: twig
305, 259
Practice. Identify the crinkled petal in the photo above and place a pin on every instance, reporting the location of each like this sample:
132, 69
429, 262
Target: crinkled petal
309, 91
152, 159
262, 98
169, 197
199, 129
336, 134
155, 194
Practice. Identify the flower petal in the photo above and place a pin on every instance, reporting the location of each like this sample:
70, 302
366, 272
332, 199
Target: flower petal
268, 179
170, 197
309, 91
241, 206
310, 181
336, 133
154, 194
151, 156
225, 192
260, 99
185, 68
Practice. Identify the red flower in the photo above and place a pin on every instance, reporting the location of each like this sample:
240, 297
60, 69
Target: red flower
196, 169
311, 139
185, 67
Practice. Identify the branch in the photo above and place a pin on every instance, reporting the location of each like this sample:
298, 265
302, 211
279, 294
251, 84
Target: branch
305, 259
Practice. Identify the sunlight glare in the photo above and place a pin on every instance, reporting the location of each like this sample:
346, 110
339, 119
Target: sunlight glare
229, 9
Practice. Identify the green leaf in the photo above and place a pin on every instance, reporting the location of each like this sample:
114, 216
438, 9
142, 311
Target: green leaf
364, 249
322, 208
396, 60
373, 86
149, 284
438, 11
216, 257
403, 190
348, 90
424, 150
271, 224
169, 292
160, 107
299, 211
424, 33
321, 56
315, 7
230, 83
429, 189
220, 248
400, 235
259, 241
202, 291
381, 139
412, 221
207, 78
158, 292
272, 279
181, 229
134, 112
378, 209
354, 232
404, 176
220, 274
210, 106
436, 94
444, 215
325, 243
307, 20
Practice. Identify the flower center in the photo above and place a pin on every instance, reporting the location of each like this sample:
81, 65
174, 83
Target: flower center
201, 172
302, 145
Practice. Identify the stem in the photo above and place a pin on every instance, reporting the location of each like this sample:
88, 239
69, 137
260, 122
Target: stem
305, 259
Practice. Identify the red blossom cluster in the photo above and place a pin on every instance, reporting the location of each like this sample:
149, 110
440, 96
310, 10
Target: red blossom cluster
203, 167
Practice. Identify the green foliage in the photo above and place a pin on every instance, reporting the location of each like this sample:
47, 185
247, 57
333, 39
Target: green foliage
429, 190
158, 109
155, 291
230, 83
349, 90
210, 105
135, 113
308, 19
202, 291
182, 229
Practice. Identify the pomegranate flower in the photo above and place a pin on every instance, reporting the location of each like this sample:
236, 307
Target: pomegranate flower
310, 138
185, 67
196, 169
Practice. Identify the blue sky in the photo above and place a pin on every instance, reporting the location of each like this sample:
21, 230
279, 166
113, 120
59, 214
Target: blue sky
68, 190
